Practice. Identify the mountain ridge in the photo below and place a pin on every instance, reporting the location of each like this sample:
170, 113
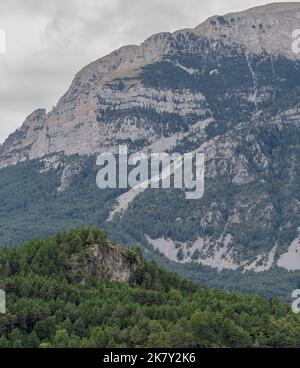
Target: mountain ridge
214, 95
78, 105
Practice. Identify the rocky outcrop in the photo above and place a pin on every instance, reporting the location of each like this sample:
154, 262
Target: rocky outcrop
109, 262
83, 123
266, 28
27, 142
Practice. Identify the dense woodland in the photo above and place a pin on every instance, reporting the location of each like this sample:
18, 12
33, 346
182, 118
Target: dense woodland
49, 305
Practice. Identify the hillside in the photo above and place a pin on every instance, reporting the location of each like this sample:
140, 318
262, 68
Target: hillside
228, 88
78, 289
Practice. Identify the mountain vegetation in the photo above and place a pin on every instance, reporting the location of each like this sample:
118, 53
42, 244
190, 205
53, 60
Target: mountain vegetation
56, 297
228, 88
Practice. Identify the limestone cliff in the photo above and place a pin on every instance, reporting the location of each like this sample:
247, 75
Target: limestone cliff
93, 114
106, 262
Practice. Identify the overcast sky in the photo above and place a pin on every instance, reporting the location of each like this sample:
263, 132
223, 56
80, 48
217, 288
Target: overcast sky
48, 41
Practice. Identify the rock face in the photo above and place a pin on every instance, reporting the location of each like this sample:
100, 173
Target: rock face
27, 142
228, 88
110, 263
97, 110
265, 28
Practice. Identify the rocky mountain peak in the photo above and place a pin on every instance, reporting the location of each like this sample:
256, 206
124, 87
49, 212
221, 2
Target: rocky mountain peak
101, 90
35, 117
228, 88
264, 28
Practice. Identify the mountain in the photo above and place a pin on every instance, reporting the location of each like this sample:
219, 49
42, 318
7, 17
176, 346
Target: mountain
78, 289
228, 88
98, 110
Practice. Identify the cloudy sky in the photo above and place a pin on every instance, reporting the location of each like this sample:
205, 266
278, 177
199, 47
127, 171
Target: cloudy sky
48, 41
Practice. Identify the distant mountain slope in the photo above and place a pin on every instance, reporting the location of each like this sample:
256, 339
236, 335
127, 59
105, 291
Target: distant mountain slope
80, 290
228, 88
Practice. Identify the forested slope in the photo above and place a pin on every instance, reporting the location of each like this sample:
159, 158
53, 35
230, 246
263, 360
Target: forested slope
78, 289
